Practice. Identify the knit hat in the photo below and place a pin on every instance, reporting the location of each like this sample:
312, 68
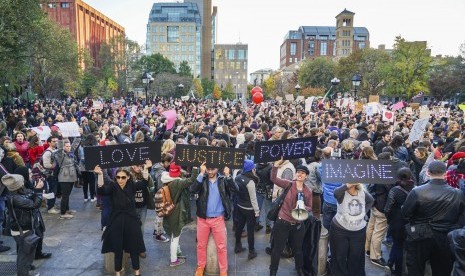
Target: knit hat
175, 170
437, 168
248, 166
13, 182
302, 168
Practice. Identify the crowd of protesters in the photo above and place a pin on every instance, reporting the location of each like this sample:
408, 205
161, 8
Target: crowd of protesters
420, 214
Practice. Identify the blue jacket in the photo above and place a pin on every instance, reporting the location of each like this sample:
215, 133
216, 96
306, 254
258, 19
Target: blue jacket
328, 190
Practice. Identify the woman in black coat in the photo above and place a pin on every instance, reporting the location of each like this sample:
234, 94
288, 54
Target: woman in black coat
392, 209
123, 231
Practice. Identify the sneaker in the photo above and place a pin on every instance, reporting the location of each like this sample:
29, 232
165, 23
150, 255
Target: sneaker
180, 255
367, 253
380, 262
93, 199
268, 250
53, 210
258, 227
86, 200
162, 238
66, 216
268, 229
252, 254
178, 262
71, 212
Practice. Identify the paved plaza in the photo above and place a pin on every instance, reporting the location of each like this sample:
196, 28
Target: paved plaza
76, 245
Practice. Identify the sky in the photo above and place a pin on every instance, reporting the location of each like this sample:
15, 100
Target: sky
262, 24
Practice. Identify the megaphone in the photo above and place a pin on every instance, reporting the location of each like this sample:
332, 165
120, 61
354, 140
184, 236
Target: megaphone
299, 213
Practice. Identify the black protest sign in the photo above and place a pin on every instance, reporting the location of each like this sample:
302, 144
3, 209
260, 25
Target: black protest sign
358, 171
214, 157
122, 155
268, 151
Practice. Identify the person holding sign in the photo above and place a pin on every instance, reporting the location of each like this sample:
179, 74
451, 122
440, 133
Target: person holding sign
123, 232
213, 207
286, 227
348, 230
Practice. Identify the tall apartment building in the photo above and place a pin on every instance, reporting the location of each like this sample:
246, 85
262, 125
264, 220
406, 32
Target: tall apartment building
183, 32
335, 42
231, 66
88, 26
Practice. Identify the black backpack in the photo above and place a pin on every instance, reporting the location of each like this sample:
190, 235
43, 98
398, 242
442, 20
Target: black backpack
265, 186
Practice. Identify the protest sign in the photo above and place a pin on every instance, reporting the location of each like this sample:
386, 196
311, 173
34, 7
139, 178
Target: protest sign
122, 155
462, 107
43, 132
409, 110
425, 114
358, 107
289, 97
268, 151
373, 99
170, 118
279, 99
69, 129
388, 116
308, 104
215, 157
184, 98
358, 171
417, 130
299, 98
415, 106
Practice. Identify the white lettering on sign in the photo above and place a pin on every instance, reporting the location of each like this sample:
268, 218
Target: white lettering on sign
118, 155
286, 149
364, 172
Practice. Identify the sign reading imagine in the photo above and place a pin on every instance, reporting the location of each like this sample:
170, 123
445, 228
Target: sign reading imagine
268, 151
214, 157
358, 171
122, 155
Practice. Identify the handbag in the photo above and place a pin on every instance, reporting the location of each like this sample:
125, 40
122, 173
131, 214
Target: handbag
418, 232
27, 241
276, 205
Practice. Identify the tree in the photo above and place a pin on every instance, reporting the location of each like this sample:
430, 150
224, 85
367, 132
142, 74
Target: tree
207, 86
198, 89
447, 77
184, 69
317, 72
216, 92
311, 91
269, 87
156, 64
228, 91
407, 73
370, 63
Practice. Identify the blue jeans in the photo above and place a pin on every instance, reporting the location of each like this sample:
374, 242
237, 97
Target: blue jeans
329, 211
52, 183
266, 206
396, 256
2, 212
260, 199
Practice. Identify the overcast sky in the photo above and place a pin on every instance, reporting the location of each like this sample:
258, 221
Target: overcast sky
262, 24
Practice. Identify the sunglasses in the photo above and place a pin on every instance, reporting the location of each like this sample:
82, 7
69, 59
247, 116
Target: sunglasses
121, 177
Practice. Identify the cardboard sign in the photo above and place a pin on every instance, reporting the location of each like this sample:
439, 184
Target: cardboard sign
409, 110
215, 157
373, 99
308, 104
289, 97
358, 107
388, 116
418, 129
279, 99
425, 114
415, 106
122, 155
69, 129
268, 151
300, 99
358, 171
43, 132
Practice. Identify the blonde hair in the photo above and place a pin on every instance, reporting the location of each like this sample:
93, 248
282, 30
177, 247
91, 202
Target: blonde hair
168, 146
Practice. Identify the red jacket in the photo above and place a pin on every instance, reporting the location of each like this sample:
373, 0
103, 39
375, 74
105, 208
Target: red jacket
23, 150
35, 153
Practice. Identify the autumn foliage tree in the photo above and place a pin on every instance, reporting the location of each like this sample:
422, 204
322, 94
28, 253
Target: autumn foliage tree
216, 92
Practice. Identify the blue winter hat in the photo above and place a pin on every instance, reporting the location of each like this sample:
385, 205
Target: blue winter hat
248, 166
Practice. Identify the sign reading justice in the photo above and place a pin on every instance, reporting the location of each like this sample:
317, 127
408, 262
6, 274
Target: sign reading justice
268, 151
358, 171
122, 155
215, 157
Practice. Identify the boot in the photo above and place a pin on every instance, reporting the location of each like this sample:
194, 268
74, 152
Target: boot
199, 271
252, 254
273, 272
300, 272
238, 248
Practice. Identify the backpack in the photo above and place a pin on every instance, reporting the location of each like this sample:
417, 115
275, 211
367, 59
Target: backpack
164, 205
38, 168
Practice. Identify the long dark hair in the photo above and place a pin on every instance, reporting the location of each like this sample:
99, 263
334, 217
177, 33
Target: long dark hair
405, 179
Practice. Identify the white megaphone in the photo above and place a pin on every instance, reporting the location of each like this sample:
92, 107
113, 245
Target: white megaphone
300, 213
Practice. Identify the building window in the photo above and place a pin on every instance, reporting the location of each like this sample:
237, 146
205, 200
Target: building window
231, 54
65, 5
290, 60
323, 48
238, 65
323, 37
293, 48
361, 45
241, 54
173, 33
295, 59
52, 5
311, 48
346, 33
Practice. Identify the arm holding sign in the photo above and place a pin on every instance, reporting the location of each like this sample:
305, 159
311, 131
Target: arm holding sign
274, 176
197, 185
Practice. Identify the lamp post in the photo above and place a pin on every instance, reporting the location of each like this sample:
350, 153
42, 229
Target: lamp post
356, 80
146, 79
237, 80
297, 89
6, 84
334, 82
181, 87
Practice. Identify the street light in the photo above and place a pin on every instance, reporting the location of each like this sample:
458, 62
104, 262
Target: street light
6, 84
146, 77
356, 80
334, 82
181, 87
237, 80
297, 89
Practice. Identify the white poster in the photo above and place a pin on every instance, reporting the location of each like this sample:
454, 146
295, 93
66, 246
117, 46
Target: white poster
289, 97
308, 104
300, 98
418, 129
69, 129
184, 98
43, 132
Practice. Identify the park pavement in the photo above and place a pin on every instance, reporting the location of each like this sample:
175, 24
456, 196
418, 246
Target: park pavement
76, 244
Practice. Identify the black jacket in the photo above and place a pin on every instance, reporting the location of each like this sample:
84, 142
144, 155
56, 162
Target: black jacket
437, 203
225, 185
392, 210
380, 194
26, 205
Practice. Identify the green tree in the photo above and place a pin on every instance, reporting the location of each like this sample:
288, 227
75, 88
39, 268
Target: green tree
184, 69
447, 77
207, 86
269, 87
407, 74
317, 72
156, 64
228, 91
